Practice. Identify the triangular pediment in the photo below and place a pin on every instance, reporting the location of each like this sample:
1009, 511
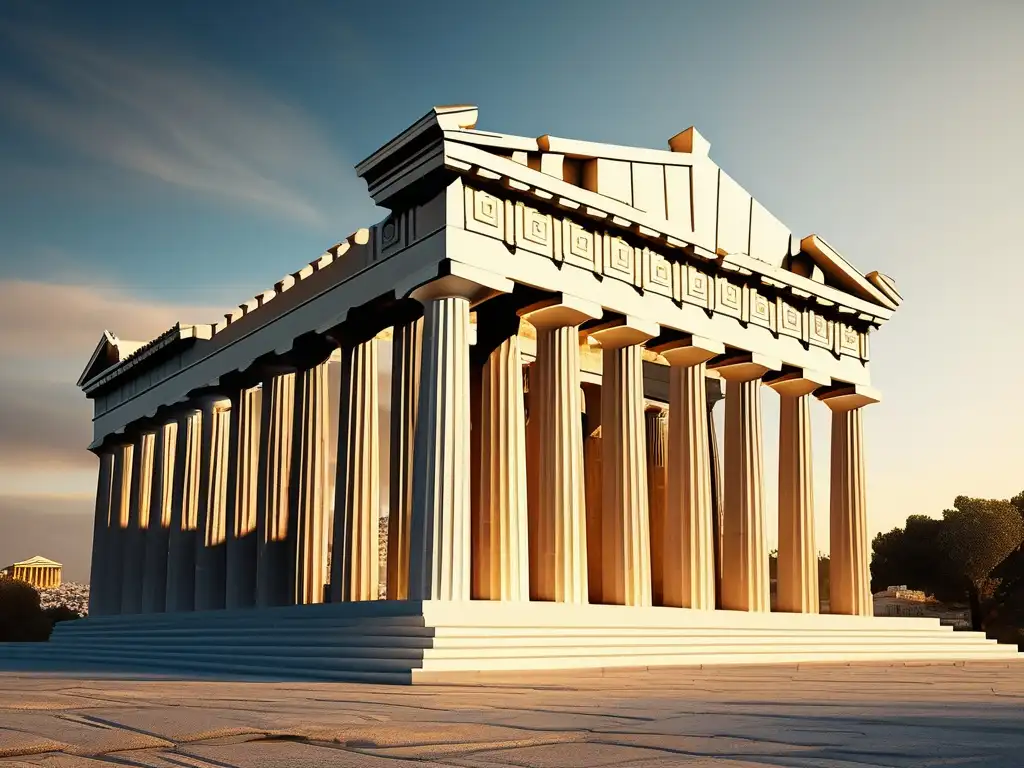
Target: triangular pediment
39, 561
103, 357
678, 191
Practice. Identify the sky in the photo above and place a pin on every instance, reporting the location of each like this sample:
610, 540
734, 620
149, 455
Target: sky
163, 162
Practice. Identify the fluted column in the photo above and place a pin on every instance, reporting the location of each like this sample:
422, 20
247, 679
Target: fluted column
405, 378
211, 536
181, 550
715, 394
354, 553
439, 560
100, 534
656, 429
593, 490
500, 556
119, 509
154, 581
560, 548
308, 487
243, 489
849, 567
689, 557
745, 581
625, 529
797, 590
138, 522
274, 490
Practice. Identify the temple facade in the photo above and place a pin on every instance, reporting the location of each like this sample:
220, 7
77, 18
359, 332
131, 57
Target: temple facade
563, 315
38, 571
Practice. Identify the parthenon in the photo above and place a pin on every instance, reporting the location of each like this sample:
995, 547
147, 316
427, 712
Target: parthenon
563, 317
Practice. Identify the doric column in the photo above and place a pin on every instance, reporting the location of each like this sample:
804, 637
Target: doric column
274, 490
181, 550
593, 490
625, 531
308, 487
688, 543
405, 380
154, 582
354, 552
849, 567
656, 429
243, 485
211, 536
439, 560
500, 557
797, 590
100, 534
745, 584
715, 394
560, 550
119, 508
138, 522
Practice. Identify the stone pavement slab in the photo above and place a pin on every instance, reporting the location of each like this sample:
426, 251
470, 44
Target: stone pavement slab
852, 716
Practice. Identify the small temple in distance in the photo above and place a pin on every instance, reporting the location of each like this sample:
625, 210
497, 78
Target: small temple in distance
564, 316
38, 571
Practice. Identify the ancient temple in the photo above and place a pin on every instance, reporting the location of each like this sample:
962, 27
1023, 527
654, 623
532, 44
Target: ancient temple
563, 316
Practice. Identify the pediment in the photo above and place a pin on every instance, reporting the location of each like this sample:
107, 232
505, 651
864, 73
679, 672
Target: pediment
679, 192
39, 561
109, 351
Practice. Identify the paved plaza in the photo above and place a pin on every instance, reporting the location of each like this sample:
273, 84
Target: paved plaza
968, 714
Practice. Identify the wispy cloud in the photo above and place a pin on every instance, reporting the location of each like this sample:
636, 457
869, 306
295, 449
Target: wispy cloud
176, 120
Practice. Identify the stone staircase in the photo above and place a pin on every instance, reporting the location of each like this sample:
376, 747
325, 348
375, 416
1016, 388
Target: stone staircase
403, 642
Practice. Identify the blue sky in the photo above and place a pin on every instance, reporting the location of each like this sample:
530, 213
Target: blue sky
163, 162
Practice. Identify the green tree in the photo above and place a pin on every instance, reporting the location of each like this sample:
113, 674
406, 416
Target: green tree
976, 536
914, 555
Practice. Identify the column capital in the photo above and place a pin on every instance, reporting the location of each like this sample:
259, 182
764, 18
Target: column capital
212, 401
453, 279
745, 366
797, 382
689, 350
623, 332
847, 397
560, 311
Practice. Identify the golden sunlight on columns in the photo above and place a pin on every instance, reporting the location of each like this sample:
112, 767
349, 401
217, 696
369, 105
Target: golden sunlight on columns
500, 558
405, 381
308, 528
211, 536
593, 491
181, 549
561, 538
849, 568
274, 490
689, 560
154, 583
798, 560
656, 428
100, 534
355, 569
138, 522
243, 490
745, 584
439, 560
625, 529
119, 508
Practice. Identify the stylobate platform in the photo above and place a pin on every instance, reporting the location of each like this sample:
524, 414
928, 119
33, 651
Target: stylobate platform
410, 641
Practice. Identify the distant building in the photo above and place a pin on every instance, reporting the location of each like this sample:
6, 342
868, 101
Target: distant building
901, 601
38, 571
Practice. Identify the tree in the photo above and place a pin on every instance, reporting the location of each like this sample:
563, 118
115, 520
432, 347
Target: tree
21, 618
914, 555
976, 536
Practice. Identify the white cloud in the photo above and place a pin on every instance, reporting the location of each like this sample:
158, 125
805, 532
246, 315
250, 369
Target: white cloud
178, 121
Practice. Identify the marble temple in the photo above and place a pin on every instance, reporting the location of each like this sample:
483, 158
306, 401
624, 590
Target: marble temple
563, 316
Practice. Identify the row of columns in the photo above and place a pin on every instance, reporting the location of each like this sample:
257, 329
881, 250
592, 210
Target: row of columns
224, 506
40, 576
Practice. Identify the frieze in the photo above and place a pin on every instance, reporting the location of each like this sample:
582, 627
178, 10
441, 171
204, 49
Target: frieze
564, 239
